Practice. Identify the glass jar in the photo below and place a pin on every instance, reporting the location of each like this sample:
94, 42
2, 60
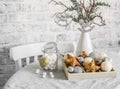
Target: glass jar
49, 60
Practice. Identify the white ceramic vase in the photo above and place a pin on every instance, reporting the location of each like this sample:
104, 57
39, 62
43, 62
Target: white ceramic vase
84, 43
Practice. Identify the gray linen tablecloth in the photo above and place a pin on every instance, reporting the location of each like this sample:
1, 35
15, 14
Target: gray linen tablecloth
27, 79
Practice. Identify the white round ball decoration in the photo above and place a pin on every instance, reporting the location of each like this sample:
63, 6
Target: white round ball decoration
94, 54
70, 69
102, 55
106, 66
80, 59
78, 69
88, 60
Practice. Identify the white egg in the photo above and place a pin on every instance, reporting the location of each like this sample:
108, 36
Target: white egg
106, 66
88, 60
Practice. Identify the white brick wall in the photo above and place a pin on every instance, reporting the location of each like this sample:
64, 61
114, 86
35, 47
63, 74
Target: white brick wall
28, 21
24, 21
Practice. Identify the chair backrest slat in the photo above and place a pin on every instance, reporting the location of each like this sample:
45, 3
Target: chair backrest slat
24, 51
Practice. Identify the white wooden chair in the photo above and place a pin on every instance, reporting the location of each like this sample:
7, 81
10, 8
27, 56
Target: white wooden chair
32, 51
25, 53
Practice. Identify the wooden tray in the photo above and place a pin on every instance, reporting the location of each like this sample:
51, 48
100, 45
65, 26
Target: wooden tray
78, 76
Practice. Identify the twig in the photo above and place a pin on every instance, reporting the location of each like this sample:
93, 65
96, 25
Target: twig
58, 3
62, 20
86, 13
101, 20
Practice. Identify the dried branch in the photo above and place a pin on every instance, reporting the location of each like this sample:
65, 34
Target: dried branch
92, 5
85, 13
58, 3
62, 18
61, 4
59, 13
101, 20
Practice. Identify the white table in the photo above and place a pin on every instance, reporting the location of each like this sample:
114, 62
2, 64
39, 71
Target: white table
27, 79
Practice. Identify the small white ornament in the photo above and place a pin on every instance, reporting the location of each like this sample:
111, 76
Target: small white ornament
80, 59
78, 69
38, 71
102, 55
94, 54
51, 75
44, 75
106, 66
88, 60
70, 69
